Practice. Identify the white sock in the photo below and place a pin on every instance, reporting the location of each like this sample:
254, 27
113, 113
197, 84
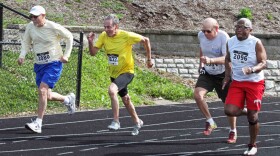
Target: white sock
39, 121
211, 121
233, 130
66, 100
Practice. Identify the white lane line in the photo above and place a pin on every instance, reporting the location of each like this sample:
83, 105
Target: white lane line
211, 151
102, 119
89, 149
223, 148
143, 130
269, 140
19, 141
150, 140
65, 153
153, 114
125, 143
170, 137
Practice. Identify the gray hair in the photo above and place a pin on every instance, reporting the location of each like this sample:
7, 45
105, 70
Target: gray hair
114, 18
247, 22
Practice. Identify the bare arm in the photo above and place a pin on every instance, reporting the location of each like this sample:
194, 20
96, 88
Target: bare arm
227, 68
147, 46
261, 57
207, 60
92, 50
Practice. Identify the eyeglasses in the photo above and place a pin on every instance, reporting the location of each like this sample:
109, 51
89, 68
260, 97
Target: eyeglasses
32, 16
241, 27
207, 31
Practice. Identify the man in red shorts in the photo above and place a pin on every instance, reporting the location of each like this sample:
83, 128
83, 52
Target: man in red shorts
245, 61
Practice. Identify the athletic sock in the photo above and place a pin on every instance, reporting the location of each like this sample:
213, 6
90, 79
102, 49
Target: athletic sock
66, 100
233, 130
39, 121
211, 121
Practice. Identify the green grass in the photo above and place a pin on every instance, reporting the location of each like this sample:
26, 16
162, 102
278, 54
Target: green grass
245, 13
18, 91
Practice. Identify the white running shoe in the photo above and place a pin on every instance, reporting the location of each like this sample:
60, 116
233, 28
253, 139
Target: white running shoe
71, 106
252, 150
115, 125
34, 127
137, 127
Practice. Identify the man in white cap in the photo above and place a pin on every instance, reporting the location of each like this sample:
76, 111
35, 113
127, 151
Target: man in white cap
44, 36
244, 62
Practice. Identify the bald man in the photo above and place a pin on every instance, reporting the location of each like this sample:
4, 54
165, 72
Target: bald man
212, 72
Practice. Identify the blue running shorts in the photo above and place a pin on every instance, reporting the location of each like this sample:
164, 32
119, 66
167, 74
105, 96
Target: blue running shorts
48, 73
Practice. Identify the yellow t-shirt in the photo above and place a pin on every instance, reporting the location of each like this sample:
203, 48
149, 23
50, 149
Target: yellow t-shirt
119, 51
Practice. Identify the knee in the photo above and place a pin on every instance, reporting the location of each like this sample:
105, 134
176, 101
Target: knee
112, 92
43, 91
253, 119
228, 112
253, 122
197, 96
126, 99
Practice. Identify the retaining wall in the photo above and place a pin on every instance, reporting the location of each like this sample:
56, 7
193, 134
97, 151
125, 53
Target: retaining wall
176, 51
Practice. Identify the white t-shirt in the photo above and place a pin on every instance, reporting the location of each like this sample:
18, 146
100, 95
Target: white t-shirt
45, 42
243, 54
212, 49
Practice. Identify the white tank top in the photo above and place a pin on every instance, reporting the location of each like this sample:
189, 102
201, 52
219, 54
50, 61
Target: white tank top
243, 54
212, 49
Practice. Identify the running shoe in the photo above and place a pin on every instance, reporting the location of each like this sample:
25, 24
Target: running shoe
115, 125
252, 149
209, 128
232, 137
34, 127
71, 106
137, 127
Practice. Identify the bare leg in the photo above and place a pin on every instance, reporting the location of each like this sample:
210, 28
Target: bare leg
199, 94
232, 122
113, 93
253, 128
45, 95
130, 108
43, 99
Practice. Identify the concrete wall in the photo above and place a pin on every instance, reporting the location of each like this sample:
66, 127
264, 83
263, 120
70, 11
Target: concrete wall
177, 51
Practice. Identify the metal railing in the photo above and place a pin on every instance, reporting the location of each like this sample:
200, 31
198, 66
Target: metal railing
79, 45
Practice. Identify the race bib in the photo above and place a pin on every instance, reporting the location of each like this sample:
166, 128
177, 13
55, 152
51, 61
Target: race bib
213, 67
239, 56
113, 59
43, 57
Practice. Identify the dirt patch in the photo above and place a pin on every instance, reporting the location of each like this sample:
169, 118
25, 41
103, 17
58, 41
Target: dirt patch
155, 14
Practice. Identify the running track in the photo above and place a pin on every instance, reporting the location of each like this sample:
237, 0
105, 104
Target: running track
174, 129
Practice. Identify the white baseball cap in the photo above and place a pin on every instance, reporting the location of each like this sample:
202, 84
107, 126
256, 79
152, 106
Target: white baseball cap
37, 10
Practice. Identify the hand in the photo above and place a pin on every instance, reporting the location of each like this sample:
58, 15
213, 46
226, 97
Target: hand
91, 37
64, 59
247, 70
20, 61
205, 59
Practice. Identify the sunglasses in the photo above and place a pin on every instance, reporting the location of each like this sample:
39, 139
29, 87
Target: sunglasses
33, 16
241, 27
206, 31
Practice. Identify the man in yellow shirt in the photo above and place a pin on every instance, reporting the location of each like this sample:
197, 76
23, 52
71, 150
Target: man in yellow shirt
118, 44
44, 37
